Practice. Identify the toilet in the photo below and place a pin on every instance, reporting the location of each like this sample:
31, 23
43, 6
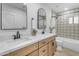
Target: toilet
59, 45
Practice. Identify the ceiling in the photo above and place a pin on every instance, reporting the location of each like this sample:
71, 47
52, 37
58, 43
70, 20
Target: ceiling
59, 7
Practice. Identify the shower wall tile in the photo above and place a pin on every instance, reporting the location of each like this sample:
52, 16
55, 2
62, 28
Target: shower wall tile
64, 29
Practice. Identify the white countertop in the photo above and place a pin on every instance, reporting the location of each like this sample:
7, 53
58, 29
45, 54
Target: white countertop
10, 45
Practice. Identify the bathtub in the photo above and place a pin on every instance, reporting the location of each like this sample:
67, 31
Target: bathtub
69, 43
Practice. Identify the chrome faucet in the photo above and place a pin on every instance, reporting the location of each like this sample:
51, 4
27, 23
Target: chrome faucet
17, 36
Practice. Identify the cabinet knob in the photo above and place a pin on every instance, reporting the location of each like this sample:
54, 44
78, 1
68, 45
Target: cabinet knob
52, 43
44, 50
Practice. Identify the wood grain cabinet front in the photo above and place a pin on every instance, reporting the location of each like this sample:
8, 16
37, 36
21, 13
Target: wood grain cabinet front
51, 39
43, 42
55, 46
24, 51
51, 48
46, 47
35, 53
43, 51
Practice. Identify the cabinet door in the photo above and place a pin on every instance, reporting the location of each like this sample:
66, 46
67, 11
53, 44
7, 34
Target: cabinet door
55, 46
24, 51
43, 42
51, 48
35, 53
43, 51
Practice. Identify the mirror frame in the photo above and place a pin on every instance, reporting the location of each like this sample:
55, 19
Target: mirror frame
14, 28
38, 20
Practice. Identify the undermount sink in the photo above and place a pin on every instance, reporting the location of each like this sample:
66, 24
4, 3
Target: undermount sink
17, 41
12, 42
22, 39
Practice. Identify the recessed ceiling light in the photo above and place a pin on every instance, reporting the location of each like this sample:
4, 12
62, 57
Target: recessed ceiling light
24, 3
66, 8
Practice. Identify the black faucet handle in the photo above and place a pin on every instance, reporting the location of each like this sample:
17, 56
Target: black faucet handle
18, 32
21, 34
14, 37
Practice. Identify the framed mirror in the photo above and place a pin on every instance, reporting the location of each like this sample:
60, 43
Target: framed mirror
41, 19
14, 16
0, 16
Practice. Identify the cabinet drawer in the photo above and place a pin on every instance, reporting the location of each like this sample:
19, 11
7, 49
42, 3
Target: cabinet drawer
24, 51
35, 53
43, 42
43, 51
51, 38
51, 48
55, 46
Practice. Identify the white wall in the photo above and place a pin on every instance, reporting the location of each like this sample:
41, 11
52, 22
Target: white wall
32, 9
32, 13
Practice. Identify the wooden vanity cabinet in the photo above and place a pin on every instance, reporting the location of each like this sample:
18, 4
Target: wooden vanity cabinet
35, 53
24, 51
55, 46
43, 51
51, 48
43, 42
45, 47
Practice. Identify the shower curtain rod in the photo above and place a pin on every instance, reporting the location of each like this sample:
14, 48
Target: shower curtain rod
65, 14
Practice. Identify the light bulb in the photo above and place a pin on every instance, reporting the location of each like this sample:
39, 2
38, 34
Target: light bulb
66, 8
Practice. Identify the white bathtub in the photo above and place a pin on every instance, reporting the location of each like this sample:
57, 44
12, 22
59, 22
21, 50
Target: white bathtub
69, 43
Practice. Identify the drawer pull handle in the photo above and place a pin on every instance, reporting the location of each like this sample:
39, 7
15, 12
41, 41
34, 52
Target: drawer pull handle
43, 50
53, 44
